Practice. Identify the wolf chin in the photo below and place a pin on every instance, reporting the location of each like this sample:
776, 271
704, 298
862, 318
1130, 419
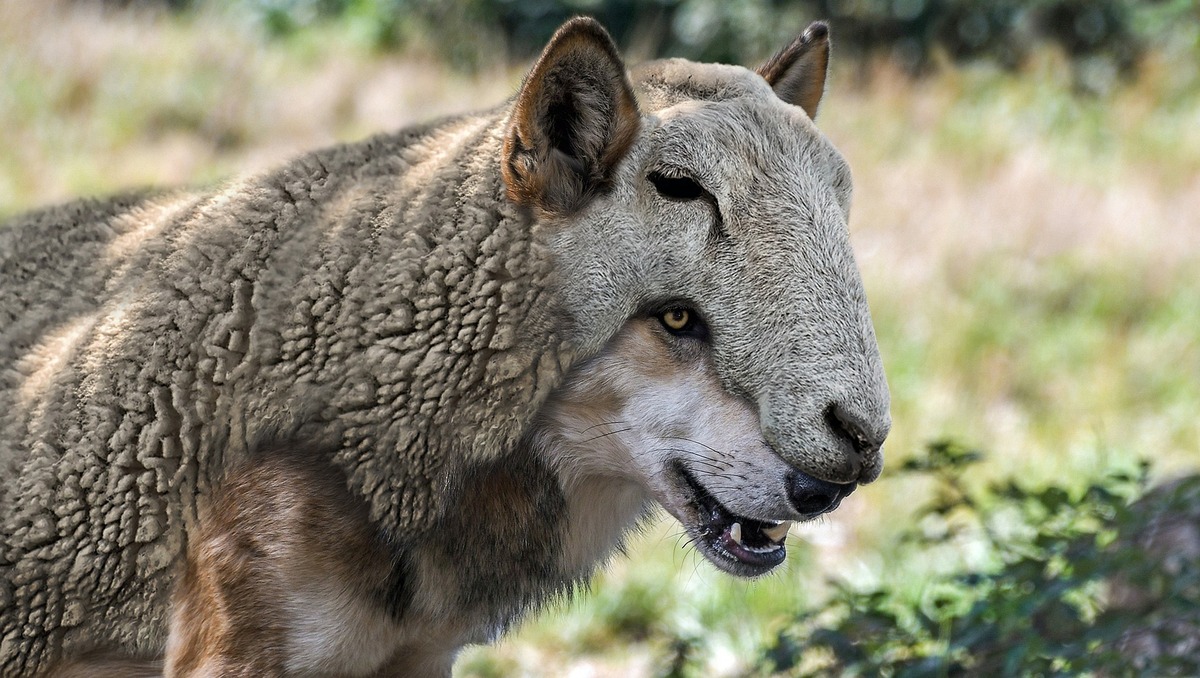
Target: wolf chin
349, 415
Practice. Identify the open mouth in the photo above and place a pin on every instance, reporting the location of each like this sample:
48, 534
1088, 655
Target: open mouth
739, 545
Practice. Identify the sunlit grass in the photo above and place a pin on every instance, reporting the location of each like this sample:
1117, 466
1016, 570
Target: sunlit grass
95, 99
1030, 256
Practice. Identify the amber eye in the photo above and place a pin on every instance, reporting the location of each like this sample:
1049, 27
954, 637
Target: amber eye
683, 322
677, 319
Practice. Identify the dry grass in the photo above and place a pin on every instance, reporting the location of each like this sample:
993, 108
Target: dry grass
1030, 257
99, 99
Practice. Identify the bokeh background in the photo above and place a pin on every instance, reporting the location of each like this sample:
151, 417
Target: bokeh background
1026, 217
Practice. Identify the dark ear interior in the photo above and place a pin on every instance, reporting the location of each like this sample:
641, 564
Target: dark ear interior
572, 122
797, 72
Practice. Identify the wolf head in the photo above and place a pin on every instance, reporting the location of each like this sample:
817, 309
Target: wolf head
699, 220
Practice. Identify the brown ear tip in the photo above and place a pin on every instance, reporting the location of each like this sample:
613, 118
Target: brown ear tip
585, 32
816, 31
580, 25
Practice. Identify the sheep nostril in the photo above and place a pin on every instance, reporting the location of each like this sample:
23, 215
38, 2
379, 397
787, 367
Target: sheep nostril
850, 429
864, 441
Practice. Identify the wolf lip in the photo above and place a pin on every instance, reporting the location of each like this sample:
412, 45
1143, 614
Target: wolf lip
739, 545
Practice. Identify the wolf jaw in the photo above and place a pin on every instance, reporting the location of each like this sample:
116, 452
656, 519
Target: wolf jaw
737, 544
650, 412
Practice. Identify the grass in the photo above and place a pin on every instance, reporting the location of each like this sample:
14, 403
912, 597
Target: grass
1029, 253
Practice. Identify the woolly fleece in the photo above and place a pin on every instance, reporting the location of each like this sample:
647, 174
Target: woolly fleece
382, 298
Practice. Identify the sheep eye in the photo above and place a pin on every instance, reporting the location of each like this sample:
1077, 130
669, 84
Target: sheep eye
676, 188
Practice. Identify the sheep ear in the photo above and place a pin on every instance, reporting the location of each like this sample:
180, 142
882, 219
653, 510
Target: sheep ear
572, 122
797, 72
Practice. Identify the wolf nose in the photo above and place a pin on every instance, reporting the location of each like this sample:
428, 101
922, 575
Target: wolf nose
812, 496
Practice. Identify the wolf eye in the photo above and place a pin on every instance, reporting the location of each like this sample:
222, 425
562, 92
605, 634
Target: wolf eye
677, 319
683, 322
676, 188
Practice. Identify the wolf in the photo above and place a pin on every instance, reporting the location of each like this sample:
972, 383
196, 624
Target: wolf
347, 416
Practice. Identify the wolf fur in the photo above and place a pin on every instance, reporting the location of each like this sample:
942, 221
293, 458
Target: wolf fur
346, 416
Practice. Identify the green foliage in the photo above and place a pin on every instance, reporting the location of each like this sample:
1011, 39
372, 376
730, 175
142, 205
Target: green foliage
1077, 585
1104, 36
634, 614
378, 23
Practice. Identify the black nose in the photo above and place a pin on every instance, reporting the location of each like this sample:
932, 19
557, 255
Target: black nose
812, 497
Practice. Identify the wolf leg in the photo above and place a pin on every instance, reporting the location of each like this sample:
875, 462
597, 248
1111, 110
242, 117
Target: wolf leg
285, 576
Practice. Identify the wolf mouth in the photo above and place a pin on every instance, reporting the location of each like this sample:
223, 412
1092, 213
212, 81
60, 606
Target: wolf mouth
741, 546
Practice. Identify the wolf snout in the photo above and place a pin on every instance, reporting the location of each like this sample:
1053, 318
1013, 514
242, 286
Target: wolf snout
812, 496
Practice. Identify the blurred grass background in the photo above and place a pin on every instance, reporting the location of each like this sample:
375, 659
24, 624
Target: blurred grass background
1026, 217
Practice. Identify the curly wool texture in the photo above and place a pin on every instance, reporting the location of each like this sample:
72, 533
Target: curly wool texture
381, 298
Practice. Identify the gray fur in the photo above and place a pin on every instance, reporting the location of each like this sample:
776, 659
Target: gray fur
777, 283
387, 302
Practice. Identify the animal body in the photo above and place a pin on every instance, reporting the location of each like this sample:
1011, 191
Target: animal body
346, 416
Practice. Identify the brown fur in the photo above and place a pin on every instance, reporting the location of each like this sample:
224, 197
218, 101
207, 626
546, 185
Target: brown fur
278, 526
283, 546
556, 170
797, 72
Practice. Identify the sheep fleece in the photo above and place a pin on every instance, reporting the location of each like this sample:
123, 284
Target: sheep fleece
376, 296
